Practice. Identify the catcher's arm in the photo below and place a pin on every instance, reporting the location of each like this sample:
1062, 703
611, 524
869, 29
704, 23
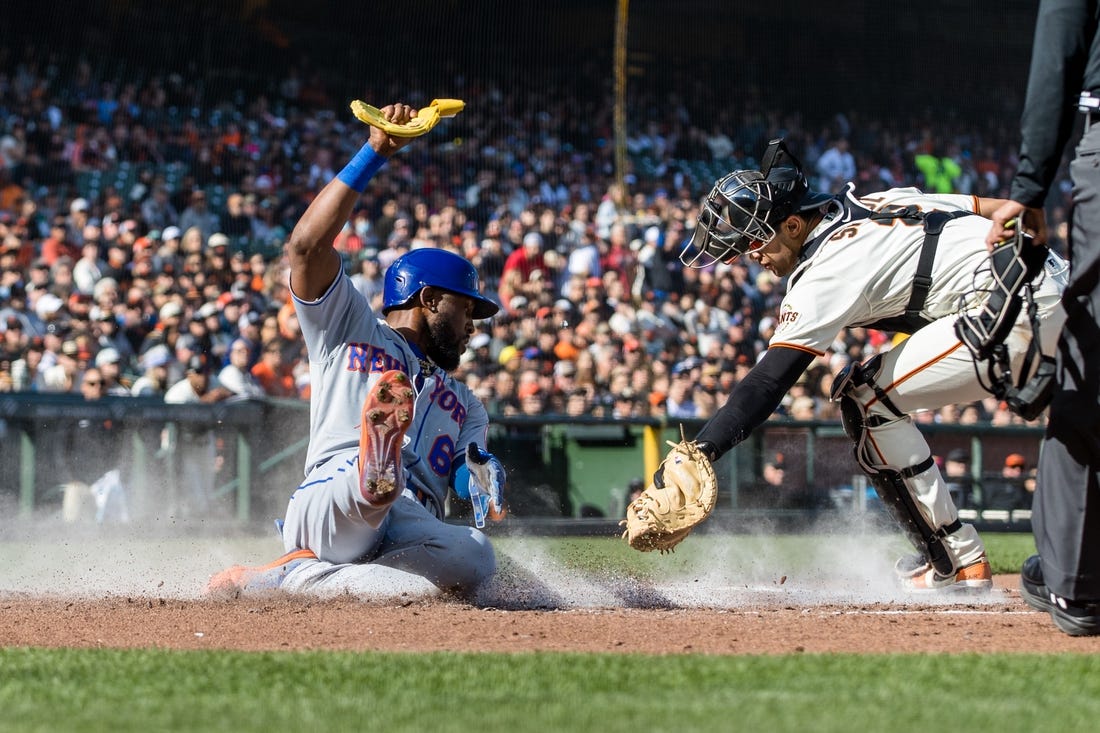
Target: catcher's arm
754, 399
684, 486
1005, 218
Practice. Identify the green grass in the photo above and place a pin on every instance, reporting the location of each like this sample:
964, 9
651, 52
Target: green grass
108, 690
156, 690
1007, 552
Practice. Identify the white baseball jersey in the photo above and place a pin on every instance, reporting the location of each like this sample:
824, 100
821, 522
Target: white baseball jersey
864, 271
860, 271
349, 348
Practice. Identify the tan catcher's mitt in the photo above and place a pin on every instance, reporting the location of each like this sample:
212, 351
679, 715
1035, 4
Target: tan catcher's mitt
663, 516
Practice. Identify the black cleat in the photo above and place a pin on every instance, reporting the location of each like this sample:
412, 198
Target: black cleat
1076, 618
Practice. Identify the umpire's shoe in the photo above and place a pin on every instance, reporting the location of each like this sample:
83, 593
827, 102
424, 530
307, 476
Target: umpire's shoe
1076, 618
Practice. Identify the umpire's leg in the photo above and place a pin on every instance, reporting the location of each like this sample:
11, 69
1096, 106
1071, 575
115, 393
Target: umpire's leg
1067, 498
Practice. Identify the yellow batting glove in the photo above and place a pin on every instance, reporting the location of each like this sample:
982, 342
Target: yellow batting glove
425, 119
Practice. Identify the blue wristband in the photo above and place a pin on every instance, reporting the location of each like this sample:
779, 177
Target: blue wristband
358, 172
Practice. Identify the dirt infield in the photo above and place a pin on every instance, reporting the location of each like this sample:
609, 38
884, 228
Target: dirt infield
727, 595
1002, 624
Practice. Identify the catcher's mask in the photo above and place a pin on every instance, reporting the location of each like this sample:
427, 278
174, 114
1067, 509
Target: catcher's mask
744, 207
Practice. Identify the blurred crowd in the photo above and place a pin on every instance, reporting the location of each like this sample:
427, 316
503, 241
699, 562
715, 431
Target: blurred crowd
142, 226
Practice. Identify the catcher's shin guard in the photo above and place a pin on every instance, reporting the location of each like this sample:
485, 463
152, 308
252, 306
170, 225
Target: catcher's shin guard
890, 482
891, 488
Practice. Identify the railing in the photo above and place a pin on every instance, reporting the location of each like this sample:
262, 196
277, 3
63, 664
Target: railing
251, 453
38, 433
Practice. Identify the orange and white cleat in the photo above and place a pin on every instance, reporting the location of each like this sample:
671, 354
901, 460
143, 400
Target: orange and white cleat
387, 414
918, 575
240, 578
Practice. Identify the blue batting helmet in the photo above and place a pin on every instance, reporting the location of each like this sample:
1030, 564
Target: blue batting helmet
436, 267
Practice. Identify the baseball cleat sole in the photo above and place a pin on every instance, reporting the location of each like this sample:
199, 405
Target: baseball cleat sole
387, 414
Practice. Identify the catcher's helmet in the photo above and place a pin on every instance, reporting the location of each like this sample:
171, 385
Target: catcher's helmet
436, 267
745, 206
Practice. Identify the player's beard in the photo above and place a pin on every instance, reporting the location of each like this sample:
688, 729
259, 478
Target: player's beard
444, 347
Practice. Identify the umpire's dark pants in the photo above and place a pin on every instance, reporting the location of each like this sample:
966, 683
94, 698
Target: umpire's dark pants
1067, 497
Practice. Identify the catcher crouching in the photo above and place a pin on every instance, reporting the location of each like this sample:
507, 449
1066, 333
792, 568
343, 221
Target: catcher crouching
898, 260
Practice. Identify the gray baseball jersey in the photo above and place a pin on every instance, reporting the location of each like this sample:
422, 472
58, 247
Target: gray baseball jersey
349, 348
369, 550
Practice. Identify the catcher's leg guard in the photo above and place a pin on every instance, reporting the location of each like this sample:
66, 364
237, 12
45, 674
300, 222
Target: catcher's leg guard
854, 388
